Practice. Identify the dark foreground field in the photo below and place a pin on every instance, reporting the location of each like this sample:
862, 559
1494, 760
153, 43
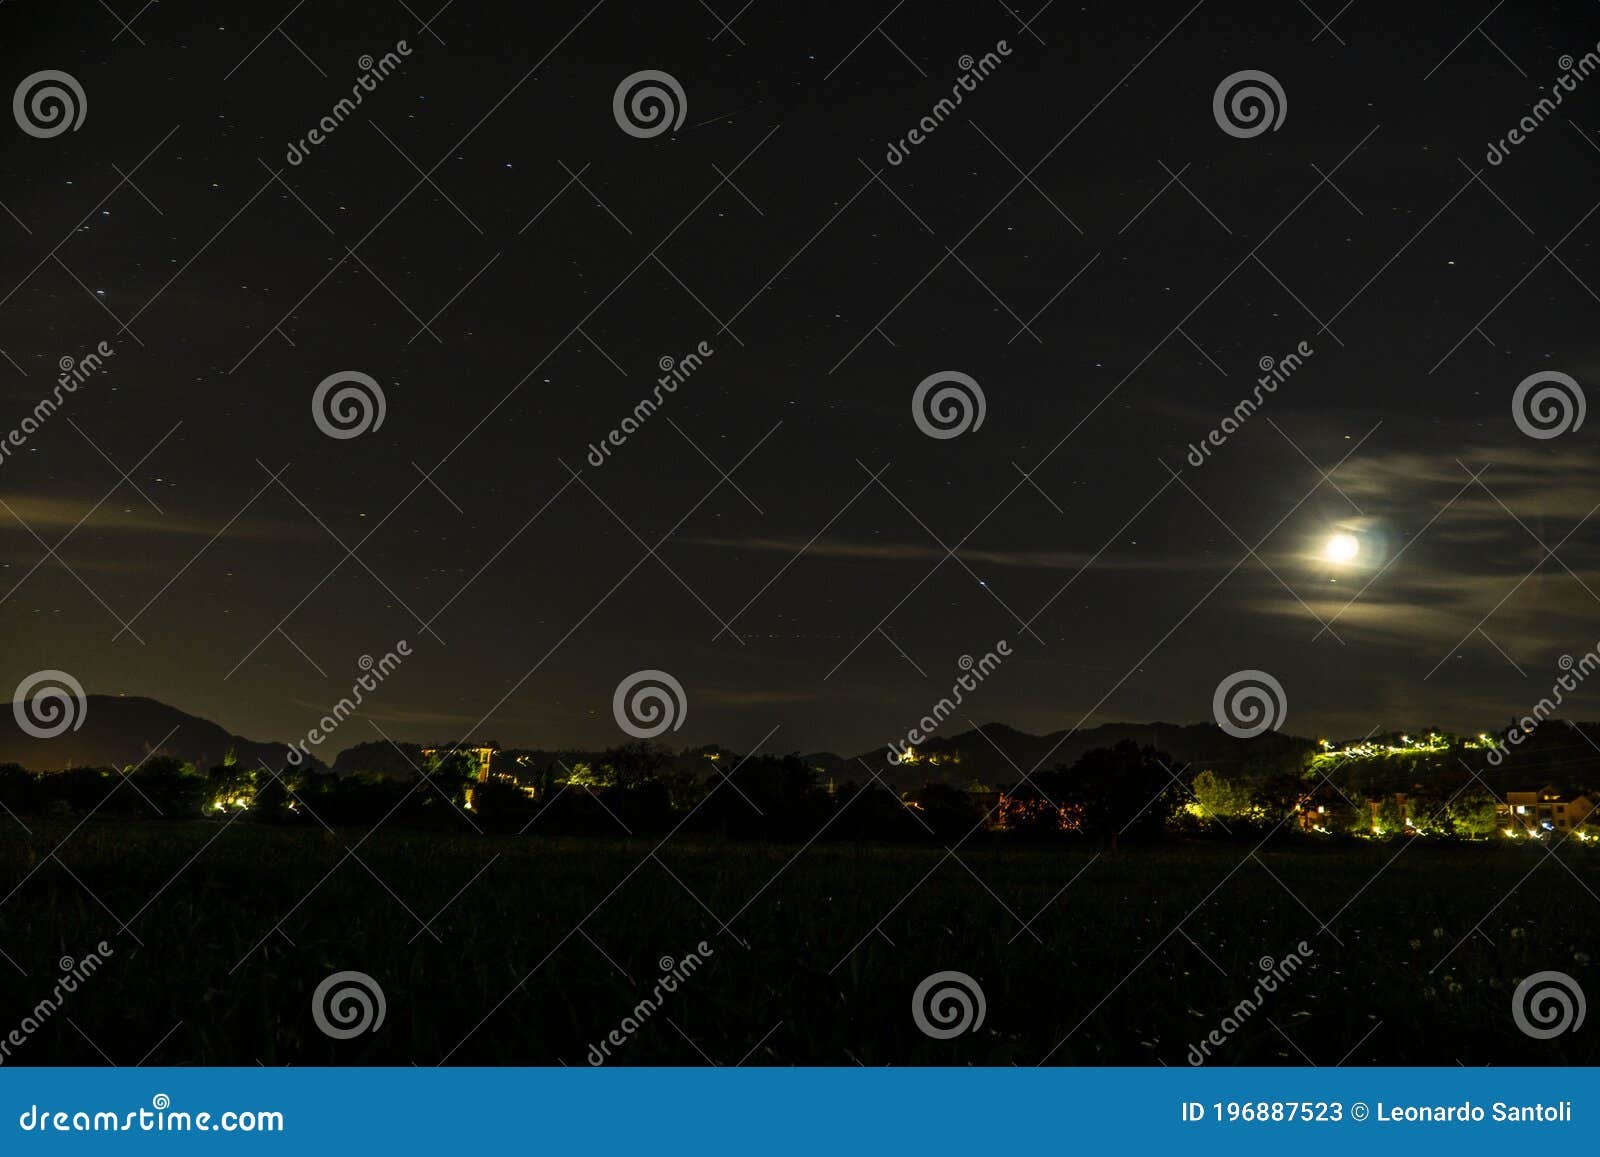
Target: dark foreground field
535, 949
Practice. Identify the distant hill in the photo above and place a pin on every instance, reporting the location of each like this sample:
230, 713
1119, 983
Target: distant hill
118, 730
995, 754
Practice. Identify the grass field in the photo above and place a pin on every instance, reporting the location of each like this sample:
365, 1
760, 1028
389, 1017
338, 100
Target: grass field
221, 934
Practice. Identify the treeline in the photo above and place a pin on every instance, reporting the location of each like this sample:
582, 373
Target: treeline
637, 789
1126, 793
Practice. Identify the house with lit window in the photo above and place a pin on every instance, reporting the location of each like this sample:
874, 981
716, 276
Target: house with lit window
1544, 811
1401, 808
1026, 807
482, 754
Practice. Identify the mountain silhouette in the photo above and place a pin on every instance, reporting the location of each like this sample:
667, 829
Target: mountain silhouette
995, 753
118, 730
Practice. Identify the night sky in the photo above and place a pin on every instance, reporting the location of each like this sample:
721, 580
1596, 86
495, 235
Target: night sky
1079, 236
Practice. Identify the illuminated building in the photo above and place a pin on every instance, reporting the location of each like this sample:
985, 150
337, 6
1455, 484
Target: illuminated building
1546, 810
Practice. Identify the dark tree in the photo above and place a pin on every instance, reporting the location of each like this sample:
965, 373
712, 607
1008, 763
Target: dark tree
167, 786
1126, 791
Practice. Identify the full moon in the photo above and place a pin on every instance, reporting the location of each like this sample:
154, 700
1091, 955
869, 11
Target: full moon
1342, 548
